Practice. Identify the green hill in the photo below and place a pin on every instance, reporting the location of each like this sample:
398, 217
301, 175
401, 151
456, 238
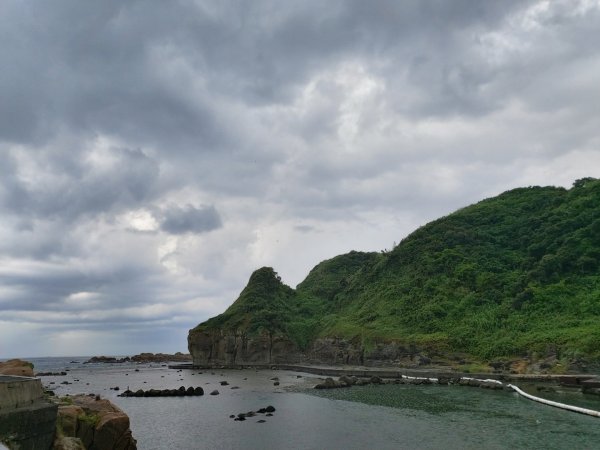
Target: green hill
509, 276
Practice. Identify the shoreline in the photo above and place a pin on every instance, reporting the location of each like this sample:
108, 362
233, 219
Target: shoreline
569, 380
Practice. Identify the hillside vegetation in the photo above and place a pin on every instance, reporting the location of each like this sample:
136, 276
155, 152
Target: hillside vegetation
508, 276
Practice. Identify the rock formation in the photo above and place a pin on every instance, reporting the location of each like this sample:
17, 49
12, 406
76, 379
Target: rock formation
16, 367
95, 423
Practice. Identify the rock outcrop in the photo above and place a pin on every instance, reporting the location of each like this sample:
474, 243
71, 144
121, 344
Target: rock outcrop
16, 367
223, 348
230, 348
95, 423
142, 358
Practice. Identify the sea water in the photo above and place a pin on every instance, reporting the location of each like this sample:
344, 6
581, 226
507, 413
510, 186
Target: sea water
366, 417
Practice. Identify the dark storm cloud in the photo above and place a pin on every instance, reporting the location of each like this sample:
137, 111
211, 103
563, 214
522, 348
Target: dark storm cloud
189, 219
147, 70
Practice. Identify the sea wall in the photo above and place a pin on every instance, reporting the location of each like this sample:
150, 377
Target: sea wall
27, 419
16, 392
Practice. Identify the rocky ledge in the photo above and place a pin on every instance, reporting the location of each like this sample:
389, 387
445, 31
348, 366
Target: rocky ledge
348, 381
90, 422
16, 367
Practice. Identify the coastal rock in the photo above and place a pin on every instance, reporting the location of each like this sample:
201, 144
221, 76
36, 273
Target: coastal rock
346, 380
97, 423
329, 383
67, 443
143, 358
232, 348
16, 367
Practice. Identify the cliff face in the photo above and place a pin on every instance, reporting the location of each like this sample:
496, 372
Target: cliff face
230, 348
220, 348
514, 276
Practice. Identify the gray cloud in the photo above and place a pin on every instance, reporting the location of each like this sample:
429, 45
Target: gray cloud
189, 219
314, 128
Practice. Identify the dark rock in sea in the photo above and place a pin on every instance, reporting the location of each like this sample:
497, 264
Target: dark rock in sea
347, 381
224, 383
232, 416
329, 383
270, 409
215, 392
261, 421
269, 415
276, 383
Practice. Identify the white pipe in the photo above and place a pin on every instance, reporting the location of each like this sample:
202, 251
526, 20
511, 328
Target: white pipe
589, 412
433, 380
487, 380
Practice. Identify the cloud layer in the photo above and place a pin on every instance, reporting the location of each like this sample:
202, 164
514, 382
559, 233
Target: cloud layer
155, 153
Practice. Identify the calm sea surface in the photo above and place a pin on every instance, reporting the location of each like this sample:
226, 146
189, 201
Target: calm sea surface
369, 417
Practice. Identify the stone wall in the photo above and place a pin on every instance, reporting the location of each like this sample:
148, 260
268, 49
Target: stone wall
16, 392
27, 420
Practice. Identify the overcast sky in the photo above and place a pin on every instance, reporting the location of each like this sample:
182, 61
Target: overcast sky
154, 154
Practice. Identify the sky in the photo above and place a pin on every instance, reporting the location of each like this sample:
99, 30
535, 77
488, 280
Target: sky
154, 154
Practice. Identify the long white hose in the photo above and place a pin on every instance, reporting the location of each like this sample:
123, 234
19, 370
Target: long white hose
589, 412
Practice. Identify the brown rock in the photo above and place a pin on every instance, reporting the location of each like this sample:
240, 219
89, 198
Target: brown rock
68, 443
97, 423
67, 418
16, 367
112, 432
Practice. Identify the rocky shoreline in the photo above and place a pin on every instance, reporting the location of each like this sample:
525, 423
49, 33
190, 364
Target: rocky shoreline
142, 358
586, 383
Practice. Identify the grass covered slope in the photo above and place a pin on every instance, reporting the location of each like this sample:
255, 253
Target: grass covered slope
513, 274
